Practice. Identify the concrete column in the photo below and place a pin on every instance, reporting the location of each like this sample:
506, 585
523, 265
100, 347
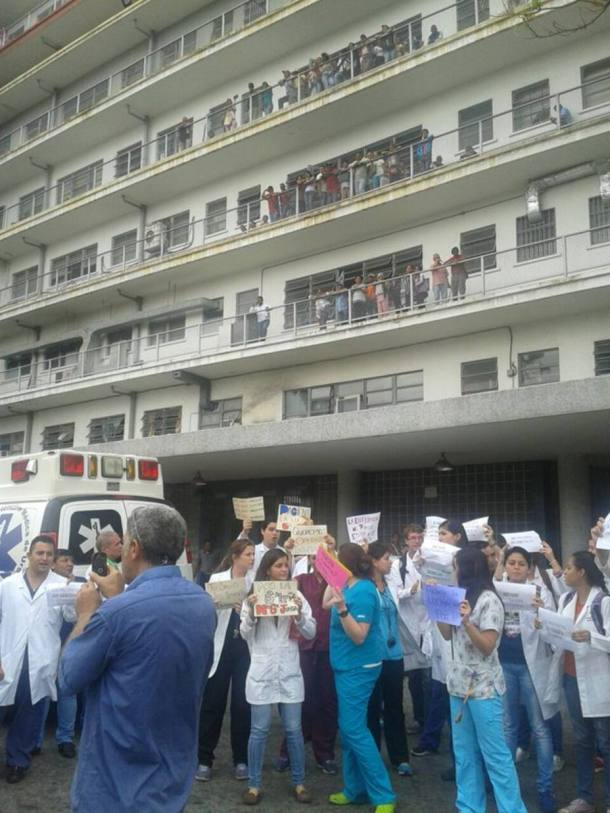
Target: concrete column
574, 503
348, 500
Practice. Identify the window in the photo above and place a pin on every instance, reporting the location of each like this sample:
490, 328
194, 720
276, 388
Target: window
69, 108
11, 444
5, 144
296, 404
177, 229
161, 421
595, 79
539, 367
61, 359
24, 283
73, 266
92, 96
471, 12
104, 430
379, 391
60, 436
536, 239
479, 376
180, 47
132, 73
170, 329
124, 247
244, 301
410, 387
481, 245
249, 205
254, 9
601, 354
599, 220
531, 105
17, 366
476, 124
37, 126
174, 139
79, 182
128, 160
32, 203
213, 312
221, 413
2, 213
216, 216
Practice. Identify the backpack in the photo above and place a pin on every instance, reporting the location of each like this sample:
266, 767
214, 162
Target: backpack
596, 610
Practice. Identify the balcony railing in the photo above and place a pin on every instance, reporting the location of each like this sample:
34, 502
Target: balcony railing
34, 16
342, 311
320, 75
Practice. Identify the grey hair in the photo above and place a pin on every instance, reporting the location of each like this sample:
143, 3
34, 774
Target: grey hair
102, 539
160, 532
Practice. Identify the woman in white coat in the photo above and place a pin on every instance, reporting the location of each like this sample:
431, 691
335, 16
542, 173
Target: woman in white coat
229, 668
585, 674
526, 662
275, 677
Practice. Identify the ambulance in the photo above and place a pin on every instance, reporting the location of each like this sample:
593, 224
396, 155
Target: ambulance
71, 496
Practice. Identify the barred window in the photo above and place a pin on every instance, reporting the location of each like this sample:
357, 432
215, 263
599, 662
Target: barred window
36, 126
11, 444
60, 436
107, 429
476, 124
531, 105
71, 267
480, 244
162, 421
595, 79
539, 367
221, 413
479, 376
599, 220
93, 95
536, 239
132, 73
601, 353
128, 160
79, 182
32, 203
471, 12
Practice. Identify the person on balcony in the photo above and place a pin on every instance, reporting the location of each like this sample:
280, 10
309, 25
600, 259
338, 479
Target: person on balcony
262, 317
440, 279
459, 273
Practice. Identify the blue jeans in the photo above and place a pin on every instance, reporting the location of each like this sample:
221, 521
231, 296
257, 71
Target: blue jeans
259, 729
555, 726
587, 733
66, 718
436, 717
520, 691
478, 740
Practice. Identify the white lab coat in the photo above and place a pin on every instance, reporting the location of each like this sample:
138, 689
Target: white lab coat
31, 622
411, 613
275, 674
592, 665
259, 551
223, 617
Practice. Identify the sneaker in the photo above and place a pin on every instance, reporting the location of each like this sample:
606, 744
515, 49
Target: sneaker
241, 771
36, 752
422, 752
404, 769
521, 755
281, 764
329, 767
302, 795
578, 806
14, 774
67, 749
204, 773
598, 765
558, 763
414, 728
547, 803
251, 797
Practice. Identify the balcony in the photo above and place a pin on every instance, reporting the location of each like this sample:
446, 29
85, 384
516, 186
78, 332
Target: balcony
511, 286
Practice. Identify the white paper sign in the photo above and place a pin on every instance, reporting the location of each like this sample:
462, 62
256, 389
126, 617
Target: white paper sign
475, 529
64, 596
603, 542
363, 528
556, 630
227, 593
290, 516
528, 540
252, 508
516, 596
432, 526
275, 599
436, 560
307, 539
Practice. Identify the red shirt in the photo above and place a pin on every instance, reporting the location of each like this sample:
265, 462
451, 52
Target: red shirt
313, 590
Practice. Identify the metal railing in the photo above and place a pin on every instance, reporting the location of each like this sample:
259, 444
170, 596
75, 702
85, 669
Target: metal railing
363, 305
34, 16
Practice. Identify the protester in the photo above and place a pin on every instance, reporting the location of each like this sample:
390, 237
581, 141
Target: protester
385, 704
29, 651
229, 668
269, 539
440, 279
142, 659
359, 304
275, 677
459, 274
110, 543
475, 684
356, 653
263, 317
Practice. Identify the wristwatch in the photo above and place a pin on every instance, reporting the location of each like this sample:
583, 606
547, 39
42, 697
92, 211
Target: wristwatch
343, 613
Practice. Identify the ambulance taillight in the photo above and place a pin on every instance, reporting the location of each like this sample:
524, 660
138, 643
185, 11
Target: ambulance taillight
148, 469
19, 471
72, 465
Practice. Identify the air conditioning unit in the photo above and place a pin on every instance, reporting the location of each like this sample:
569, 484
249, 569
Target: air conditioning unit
153, 239
348, 404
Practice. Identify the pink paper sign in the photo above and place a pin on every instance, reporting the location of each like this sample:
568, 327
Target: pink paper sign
331, 569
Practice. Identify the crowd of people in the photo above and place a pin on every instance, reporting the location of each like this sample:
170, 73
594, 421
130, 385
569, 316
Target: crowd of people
155, 661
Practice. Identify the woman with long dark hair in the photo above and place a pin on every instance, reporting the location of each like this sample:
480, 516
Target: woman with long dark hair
476, 684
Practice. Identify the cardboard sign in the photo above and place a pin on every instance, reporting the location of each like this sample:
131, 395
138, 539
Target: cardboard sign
436, 562
275, 599
443, 603
363, 529
307, 539
528, 540
556, 630
603, 542
475, 529
291, 516
227, 593
432, 526
330, 568
516, 596
64, 595
252, 508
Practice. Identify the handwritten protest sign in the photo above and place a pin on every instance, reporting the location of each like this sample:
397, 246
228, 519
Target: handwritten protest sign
557, 630
290, 516
432, 526
528, 540
307, 539
63, 596
603, 542
475, 529
252, 508
437, 562
363, 528
275, 598
332, 571
443, 603
227, 593
516, 596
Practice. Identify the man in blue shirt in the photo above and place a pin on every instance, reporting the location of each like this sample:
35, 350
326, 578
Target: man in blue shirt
142, 658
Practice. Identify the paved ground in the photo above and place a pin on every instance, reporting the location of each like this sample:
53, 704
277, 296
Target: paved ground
46, 790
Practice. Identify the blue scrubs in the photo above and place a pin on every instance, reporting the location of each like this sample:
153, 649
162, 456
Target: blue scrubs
356, 671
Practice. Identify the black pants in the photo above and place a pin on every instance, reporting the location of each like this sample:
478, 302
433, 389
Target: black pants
387, 700
232, 670
418, 678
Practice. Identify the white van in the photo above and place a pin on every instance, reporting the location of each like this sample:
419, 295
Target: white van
71, 496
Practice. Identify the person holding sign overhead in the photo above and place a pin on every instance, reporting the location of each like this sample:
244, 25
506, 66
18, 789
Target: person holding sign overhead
229, 668
275, 676
356, 653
